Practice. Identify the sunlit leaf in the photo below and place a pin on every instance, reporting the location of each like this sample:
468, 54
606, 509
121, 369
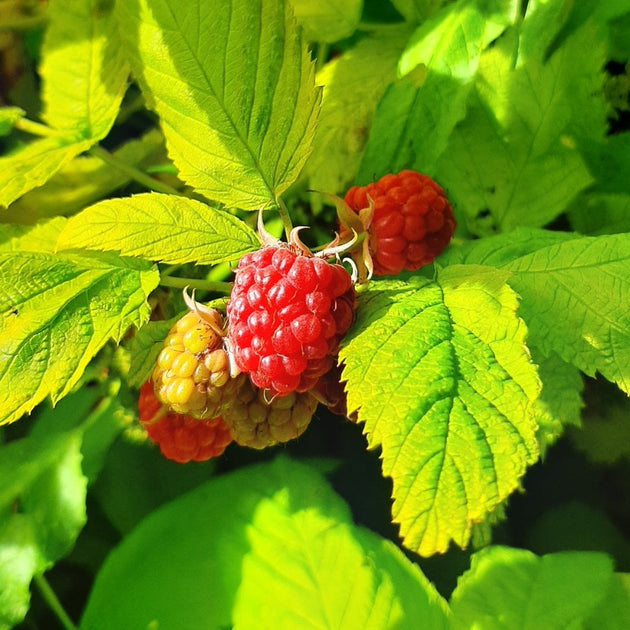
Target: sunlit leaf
234, 87
440, 375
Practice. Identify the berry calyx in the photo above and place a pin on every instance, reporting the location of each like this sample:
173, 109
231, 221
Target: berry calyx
181, 438
287, 313
407, 217
257, 422
192, 373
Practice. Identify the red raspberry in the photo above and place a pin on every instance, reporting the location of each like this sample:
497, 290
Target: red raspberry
287, 313
181, 438
412, 222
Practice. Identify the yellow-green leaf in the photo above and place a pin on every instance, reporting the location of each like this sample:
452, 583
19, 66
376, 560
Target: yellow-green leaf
34, 164
439, 373
160, 227
83, 68
234, 87
57, 312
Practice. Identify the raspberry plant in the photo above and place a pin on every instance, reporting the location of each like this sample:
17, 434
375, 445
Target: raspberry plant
484, 388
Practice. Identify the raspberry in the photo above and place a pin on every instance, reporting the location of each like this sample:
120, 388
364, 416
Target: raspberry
257, 423
412, 221
181, 438
287, 314
192, 373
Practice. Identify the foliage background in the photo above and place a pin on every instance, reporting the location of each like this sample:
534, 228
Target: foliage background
520, 109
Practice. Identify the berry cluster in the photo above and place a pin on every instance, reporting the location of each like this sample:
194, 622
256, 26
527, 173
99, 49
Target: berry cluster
257, 376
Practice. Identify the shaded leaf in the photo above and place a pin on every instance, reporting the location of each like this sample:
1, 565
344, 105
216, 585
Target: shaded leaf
416, 116
85, 180
260, 548
515, 157
513, 588
8, 117
353, 84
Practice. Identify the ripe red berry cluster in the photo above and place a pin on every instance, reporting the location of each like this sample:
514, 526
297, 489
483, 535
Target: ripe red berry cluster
181, 438
412, 221
287, 314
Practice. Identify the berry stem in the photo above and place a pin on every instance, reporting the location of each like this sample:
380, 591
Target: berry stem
195, 283
53, 602
35, 128
133, 172
283, 211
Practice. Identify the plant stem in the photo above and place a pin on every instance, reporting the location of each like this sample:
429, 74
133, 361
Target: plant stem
35, 128
283, 211
53, 602
194, 283
322, 54
133, 172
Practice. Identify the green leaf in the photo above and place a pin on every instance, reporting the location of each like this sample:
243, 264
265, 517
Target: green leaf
19, 561
595, 214
42, 501
234, 87
609, 163
157, 481
55, 502
515, 156
34, 164
415, 118
614, 610
144, 349
85, 180
32, 238
513, 588
560, 403
327, 20
83, 68
575, 291
58, 312
353, 84
605, 438
260, 548
8, 117
439, 373
162, 228
418, 10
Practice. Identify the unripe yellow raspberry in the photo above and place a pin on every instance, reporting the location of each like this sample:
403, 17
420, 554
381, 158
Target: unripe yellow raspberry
192, 373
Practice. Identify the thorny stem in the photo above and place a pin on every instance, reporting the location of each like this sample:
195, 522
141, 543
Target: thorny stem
133, 172
283, 211
194, 283
53, 602
35, 128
